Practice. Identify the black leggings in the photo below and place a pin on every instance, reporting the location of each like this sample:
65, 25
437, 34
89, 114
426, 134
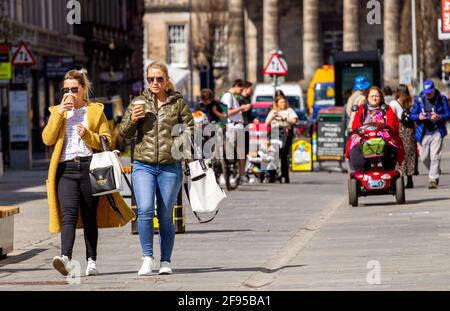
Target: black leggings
284, 154
74, 194
360, 164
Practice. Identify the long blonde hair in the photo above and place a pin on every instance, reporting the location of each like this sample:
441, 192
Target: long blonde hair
83, 80
170, 87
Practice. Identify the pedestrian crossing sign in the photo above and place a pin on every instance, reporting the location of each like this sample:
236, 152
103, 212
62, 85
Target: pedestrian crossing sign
276, 66
23, 56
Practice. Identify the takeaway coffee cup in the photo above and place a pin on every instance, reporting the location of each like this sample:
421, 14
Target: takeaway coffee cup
69, 98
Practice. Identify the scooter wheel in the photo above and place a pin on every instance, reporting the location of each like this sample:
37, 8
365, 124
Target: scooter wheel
400, 190
353, 192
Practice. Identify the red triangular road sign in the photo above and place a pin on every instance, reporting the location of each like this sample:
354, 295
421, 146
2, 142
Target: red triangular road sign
23, 56
276, 66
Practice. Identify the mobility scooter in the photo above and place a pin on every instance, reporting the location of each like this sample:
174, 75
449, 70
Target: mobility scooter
375, 181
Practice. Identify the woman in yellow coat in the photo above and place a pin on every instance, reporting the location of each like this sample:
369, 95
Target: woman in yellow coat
74, 129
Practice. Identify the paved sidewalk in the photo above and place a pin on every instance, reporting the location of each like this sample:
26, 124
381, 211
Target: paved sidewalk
409, 244
301, 236
254, 223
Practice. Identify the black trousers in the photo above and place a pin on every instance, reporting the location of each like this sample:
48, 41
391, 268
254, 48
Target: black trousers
284, 154
74, 194
360, 164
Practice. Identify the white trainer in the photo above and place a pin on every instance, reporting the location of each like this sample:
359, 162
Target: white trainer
91, 268
146, 268
165, 268
62, 264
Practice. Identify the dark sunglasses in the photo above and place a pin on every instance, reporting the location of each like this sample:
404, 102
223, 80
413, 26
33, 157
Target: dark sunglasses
158, 79
73, 90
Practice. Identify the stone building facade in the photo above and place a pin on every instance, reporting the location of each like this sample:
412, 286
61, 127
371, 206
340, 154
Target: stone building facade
306, 31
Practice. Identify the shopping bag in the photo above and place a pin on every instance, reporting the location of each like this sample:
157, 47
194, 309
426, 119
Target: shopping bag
204, 194
105, 172
373, 147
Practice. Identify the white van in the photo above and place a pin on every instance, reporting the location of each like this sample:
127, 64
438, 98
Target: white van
264, 93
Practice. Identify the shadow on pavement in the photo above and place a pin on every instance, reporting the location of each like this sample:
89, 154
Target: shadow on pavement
408, 202
212, 269
215, 231
22, 257
22, 270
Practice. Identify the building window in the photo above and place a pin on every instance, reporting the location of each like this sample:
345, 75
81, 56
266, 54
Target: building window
177, 46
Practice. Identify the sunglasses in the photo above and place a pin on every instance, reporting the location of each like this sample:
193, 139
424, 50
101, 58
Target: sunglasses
73, 90
158, 79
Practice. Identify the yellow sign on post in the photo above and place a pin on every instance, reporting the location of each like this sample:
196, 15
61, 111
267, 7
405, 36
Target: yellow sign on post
301, 157
5, 63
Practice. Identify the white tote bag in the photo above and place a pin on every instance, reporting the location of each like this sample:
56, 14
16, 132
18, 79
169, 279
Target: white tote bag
105, 172
204, 193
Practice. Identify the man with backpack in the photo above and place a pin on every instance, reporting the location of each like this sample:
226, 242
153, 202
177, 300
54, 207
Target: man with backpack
430, 111
236, 121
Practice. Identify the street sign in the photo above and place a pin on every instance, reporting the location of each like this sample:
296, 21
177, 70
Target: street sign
442, 35
446, 16
5, 62
23, 56
58, 66
276, 66
405, 68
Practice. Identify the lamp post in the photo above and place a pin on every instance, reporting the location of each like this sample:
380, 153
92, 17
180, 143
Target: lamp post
191, 96
414, 42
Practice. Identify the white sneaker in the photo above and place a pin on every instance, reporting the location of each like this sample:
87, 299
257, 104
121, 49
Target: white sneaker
165, 268
62, 264
146, 268
222, 181
91, 268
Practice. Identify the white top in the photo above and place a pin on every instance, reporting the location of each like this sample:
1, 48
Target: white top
74, 146
288, 113
398, 109
232, 103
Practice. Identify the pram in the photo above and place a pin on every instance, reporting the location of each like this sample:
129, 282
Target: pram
265, 164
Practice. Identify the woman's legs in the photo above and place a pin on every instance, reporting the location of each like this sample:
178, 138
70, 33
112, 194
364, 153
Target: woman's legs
389, 160
69, 199
144, 183
88, 209
284, 152
357, 161
169, 182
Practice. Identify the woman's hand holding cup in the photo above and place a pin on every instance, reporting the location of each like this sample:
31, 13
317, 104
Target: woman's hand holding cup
137, 110
67, 103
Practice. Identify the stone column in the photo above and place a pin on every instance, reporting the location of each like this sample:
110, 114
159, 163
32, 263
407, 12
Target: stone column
311, 45
236, 43
270, 29
391, 41
351, 25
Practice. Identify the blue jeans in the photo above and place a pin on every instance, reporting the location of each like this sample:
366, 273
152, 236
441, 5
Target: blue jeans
162, 181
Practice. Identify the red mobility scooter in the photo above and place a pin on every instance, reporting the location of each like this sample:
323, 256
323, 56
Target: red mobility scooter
375, 181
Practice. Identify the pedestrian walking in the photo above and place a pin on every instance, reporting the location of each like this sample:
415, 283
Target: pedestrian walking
235, 122
212, 108
246, 99
156, 172
74, 129
402, 105
283, 117
361, 84
431, 111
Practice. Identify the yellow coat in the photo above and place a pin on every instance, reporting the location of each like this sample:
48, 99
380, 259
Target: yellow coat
54, 134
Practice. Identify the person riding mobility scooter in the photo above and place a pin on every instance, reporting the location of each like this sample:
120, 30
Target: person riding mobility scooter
374, 148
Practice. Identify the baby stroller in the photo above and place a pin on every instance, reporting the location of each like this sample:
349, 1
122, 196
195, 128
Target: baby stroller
265, 164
